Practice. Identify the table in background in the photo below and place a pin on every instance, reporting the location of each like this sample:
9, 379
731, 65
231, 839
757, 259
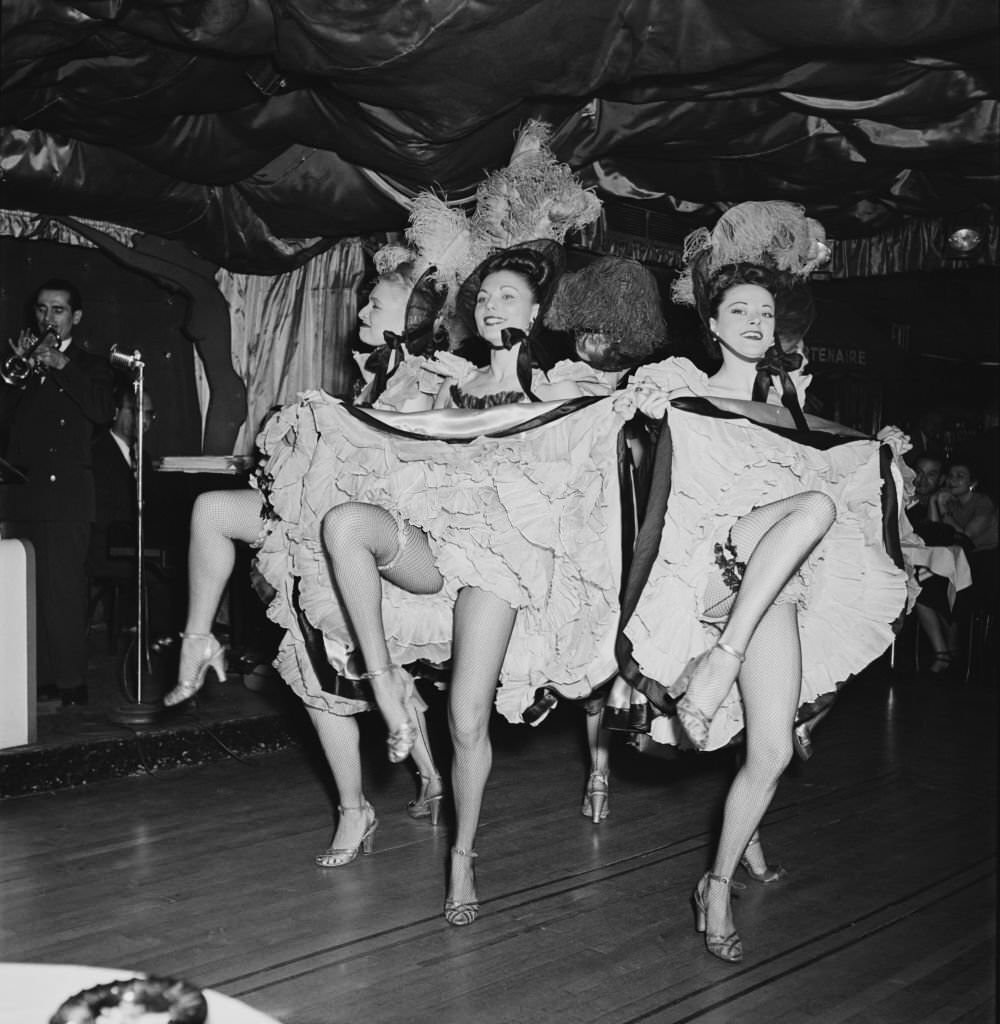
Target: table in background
950, 562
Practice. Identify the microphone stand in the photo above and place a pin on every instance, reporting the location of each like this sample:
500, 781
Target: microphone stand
139, 711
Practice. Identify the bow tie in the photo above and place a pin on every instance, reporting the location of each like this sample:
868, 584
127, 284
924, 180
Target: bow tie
778, 363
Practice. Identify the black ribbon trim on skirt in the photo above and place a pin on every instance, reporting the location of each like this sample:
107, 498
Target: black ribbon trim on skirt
328, 678
821, 440
566, 408
647, 544
890, 521
647, 547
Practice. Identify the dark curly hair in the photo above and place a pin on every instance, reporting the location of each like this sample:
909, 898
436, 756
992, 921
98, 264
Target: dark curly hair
793, 306
527, 263
612, 307
539, 262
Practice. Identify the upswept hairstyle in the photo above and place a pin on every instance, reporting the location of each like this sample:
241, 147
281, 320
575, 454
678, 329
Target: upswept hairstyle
793, 305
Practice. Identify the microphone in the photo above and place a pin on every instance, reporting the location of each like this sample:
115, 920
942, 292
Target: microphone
124, 361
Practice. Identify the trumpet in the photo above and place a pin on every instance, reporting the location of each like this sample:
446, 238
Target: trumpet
16, 369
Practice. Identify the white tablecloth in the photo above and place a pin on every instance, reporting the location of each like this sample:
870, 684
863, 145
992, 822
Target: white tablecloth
31, 993
949, 562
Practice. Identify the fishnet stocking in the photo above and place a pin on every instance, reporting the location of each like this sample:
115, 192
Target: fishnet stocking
483, 625
218, 520
359, 538
769, 685
339, 737
775, 540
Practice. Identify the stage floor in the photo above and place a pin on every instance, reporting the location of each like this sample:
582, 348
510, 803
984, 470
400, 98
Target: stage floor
206, 873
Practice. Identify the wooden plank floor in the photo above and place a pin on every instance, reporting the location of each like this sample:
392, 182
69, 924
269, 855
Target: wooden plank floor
888, 914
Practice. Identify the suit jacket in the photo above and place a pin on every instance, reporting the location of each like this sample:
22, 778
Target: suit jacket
53, 423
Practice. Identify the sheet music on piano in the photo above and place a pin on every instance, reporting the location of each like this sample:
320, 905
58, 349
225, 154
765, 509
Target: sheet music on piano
234, 465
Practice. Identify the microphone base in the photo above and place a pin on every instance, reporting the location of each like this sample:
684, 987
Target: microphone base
139, 713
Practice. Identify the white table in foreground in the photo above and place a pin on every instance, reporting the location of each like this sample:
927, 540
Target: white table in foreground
31, 993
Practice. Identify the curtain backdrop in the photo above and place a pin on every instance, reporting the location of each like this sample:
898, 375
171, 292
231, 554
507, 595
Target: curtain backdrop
293, 332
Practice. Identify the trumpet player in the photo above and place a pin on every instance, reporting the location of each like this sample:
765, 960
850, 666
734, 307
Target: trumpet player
55, 395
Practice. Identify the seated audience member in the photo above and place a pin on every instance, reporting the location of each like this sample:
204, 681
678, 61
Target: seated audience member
961, 514
971, 514
929, 469
113, 456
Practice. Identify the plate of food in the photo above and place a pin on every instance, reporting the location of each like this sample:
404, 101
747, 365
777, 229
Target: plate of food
145, 1000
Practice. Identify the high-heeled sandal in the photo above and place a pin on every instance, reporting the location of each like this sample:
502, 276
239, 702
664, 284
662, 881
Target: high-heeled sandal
338, 857
401, 739
596, 798
769, 874
427, 805
212, 657
696, 720
725, 947
458, 913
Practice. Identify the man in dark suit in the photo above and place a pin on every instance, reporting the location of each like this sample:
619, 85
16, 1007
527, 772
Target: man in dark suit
66, 398
114, 454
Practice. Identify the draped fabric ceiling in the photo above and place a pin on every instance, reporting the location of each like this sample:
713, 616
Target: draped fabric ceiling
259, 132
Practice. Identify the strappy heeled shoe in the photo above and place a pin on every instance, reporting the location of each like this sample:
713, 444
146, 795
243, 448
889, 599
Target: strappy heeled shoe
212, 656
596, 798
401, 739
458, 913
769, 874
427, 804
697, 720
725, 947
338, 857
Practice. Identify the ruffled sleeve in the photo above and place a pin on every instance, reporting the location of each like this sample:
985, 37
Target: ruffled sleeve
588, 380
417, 382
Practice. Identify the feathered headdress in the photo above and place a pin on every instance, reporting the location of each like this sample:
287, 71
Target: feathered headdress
775, 234
533, 197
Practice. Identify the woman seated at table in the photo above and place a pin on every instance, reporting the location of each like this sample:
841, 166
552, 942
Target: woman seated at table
971, 516
959, 504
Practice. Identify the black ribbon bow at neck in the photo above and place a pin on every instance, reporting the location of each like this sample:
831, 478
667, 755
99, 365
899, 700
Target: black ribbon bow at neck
384, 361
778, 363
509, 337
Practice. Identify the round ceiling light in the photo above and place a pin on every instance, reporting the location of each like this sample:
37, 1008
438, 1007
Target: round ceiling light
964, 240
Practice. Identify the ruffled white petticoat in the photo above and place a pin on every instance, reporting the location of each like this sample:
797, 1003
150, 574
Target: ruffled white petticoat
848, 591
533, 518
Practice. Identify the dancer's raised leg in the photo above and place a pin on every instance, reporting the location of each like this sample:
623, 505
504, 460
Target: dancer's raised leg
483, 625
365, 543
775, 540
218, 520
